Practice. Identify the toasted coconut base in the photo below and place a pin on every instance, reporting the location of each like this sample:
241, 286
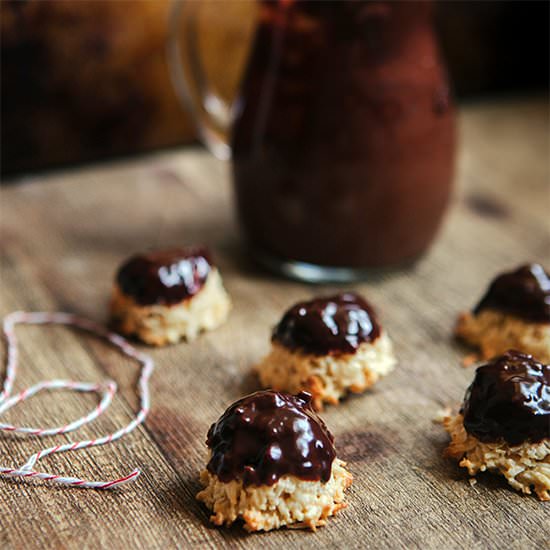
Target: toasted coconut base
495, 333
328, 378
159, 325
526, 467
289, 502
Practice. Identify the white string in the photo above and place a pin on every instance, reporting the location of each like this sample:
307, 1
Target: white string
106, 390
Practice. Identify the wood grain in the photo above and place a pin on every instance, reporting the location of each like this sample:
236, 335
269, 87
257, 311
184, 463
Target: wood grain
64, 234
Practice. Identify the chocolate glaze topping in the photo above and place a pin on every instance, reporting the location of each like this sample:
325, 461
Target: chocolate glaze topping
333, 325
266, 435
509, 399
524, 293
164, 276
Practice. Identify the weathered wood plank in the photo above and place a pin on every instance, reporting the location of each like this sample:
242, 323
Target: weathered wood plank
63, 236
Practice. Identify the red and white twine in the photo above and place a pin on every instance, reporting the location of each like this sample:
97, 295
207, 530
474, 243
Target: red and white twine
106, 390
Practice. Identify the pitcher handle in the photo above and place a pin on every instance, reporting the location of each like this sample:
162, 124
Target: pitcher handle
211, 114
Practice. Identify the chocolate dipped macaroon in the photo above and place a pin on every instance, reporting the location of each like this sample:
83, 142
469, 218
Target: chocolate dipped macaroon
272, 463
164, 296
514, 313
504, 423
328, 347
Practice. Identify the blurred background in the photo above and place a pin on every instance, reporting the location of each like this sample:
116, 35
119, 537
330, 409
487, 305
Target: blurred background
88, 80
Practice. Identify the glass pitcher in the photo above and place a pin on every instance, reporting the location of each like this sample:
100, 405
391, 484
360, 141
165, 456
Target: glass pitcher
342, 136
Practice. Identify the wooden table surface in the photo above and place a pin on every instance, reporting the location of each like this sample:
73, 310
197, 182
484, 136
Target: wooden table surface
64, 234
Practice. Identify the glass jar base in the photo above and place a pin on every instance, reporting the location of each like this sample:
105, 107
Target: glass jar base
317, 274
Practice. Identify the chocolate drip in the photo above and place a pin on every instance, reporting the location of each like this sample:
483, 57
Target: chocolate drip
333, 325
509, 399
164, 276
267, 435
524, 293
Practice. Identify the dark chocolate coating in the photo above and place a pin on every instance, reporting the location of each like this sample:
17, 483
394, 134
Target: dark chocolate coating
332, 325
164, 276
524, 293
267, 435
509, 399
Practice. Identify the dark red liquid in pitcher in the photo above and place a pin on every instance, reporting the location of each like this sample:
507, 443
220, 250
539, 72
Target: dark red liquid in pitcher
343, 143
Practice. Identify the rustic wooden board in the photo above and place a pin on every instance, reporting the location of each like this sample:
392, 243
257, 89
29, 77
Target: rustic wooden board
63, 236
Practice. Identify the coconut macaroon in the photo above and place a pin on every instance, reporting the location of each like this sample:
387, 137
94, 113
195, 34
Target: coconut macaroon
272, 463
327, 347
164, 296
513, 314
504, 423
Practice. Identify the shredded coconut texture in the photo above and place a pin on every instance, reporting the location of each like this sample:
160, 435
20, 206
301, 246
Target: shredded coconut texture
526, 467
495, 333
158, 325
328, 378
289, 502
